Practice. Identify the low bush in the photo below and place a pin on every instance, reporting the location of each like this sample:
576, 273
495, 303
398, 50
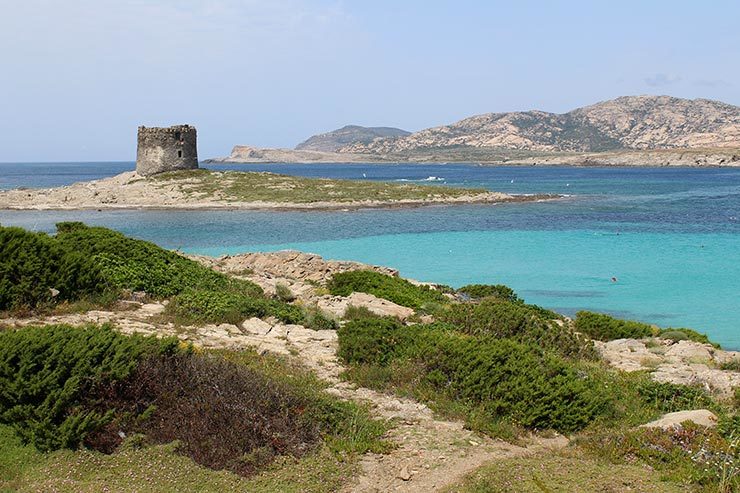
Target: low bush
283, 293
479, 291
606, 328
137, 265
686, 335
47, 373
500, 318
202, 306
358, 312
221, 306
314, 318
395, 289
500, 378
83, 262
32, 265
242, 426
62, 386
668, 397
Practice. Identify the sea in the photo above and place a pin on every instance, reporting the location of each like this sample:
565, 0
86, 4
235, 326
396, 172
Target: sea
659, 245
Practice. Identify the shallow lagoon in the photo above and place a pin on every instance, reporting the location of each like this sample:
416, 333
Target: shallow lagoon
671, 237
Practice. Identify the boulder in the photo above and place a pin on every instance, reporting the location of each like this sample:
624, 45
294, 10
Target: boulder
690, 351
337, 305
701, 417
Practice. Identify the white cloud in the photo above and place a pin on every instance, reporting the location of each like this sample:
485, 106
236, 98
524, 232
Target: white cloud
661, 80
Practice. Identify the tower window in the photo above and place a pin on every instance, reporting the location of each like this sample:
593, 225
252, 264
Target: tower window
179, 153
178, 135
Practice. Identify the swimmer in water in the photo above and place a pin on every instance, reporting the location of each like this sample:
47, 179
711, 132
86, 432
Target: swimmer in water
614, 279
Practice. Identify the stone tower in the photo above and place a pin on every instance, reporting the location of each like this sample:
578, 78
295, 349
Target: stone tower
166, 149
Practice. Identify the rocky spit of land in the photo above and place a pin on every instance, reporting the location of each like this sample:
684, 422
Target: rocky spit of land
203, 189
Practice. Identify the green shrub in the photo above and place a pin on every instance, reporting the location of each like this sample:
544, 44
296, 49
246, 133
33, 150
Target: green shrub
686, 335
47, 372
395, 289
32, 264
62, 387
138, 265
478, 291
606, 328
283, 293
222, 306
668, 397
314, 318
503, 378
506, 319
358, 312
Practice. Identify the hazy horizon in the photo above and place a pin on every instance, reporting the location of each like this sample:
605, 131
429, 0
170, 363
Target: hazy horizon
81, 76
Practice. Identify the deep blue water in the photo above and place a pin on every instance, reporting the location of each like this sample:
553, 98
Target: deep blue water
671, 237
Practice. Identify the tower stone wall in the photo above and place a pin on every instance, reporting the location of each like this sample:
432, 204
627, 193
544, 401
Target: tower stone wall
166, 149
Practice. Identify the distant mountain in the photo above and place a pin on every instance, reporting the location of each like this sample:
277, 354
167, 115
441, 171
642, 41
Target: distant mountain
625, 123
351, 134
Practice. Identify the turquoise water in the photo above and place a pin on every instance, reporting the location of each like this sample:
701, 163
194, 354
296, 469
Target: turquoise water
671, 237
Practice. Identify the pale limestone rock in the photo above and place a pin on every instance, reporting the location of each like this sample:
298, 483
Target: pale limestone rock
701, 417
713, 380
337, 305
683, 363
628, 354
690, 350
256, 326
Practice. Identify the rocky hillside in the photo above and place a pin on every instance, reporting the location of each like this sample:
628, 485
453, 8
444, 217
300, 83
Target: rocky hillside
349, 135
630, 122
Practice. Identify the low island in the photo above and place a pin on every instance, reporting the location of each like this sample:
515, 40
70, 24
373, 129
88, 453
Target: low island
206, 189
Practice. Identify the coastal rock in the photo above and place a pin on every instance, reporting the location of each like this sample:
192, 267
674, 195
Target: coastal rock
337, 305
713, 380
628, 354
701, 417
682, 362
689, 350
287, 264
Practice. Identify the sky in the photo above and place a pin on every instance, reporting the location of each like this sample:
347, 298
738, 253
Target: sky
77, 77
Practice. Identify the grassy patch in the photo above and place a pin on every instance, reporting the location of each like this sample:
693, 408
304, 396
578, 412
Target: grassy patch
237, 186
158, 468
565, 472
690, 453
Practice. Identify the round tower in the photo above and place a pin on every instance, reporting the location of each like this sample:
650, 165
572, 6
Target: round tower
166, 149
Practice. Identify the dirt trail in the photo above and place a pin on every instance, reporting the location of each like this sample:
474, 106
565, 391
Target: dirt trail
430, 454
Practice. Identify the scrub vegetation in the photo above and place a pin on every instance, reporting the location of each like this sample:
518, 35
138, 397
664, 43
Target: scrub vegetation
107, 408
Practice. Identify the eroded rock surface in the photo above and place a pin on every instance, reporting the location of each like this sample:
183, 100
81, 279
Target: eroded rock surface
682, 362
702, 417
